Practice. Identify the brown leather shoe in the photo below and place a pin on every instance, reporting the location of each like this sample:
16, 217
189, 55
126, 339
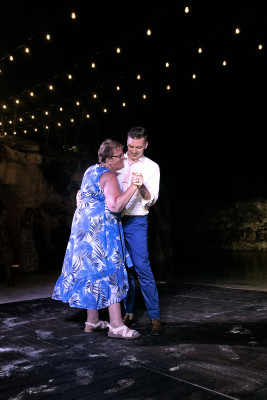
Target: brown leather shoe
128, 321
156, 327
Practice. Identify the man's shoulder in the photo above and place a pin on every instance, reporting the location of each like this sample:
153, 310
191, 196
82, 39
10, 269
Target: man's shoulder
150, 162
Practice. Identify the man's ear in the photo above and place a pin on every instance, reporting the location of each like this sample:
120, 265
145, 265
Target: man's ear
146, 145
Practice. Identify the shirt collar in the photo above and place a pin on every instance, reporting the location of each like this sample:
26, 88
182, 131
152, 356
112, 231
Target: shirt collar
142, 159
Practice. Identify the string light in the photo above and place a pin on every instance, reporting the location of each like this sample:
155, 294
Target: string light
4, 106
118, 50
72, 120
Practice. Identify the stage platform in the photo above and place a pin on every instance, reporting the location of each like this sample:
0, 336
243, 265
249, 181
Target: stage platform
214, 347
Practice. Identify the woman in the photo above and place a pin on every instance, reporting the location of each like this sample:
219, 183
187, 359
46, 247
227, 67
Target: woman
94, 274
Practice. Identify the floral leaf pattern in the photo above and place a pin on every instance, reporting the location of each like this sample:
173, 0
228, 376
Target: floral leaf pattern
94, 272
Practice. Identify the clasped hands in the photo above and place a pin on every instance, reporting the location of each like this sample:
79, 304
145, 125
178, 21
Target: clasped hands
137, 179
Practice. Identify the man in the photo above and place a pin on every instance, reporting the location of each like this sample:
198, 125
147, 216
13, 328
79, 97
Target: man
135, 226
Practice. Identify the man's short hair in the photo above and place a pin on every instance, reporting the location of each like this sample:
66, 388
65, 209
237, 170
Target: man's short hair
137, 132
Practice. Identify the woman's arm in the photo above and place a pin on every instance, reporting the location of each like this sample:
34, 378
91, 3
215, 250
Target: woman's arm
116, 201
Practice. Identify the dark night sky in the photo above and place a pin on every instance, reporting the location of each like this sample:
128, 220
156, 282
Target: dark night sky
207, 134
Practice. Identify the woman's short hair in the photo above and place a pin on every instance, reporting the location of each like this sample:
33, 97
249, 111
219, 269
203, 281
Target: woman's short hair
106, 149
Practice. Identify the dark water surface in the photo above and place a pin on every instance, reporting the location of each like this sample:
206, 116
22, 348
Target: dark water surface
247, 268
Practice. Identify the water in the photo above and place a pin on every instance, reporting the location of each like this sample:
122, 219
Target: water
246, 269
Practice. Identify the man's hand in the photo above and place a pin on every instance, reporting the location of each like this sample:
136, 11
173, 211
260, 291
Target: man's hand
137, 179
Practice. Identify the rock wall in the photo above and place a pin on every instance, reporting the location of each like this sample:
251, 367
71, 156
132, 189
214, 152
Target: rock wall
23, 183
239, 225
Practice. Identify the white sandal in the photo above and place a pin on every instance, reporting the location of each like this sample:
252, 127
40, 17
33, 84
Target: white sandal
131, 334
100, 326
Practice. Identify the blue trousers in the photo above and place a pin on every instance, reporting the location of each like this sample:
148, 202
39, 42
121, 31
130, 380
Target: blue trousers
135, 231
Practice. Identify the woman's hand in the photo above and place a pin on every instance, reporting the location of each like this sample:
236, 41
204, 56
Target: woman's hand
137, 179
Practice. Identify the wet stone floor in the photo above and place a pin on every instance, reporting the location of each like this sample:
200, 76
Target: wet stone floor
214, 347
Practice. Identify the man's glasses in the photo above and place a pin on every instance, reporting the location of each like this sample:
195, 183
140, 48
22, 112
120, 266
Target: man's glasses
119, 156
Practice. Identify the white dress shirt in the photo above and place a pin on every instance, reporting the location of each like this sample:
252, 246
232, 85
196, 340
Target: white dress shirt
151, 174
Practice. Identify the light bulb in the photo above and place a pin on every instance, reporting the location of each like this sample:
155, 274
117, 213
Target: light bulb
149, 32
118, 50
186, 10
73, 15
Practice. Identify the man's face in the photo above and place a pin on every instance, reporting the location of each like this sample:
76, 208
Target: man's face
136, 148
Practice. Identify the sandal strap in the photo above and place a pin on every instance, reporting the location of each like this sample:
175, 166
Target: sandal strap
102, 324
123, 328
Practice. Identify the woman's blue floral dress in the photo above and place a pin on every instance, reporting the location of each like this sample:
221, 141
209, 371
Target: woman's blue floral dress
94, 272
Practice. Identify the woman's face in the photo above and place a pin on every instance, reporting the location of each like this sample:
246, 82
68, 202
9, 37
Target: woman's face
117, 160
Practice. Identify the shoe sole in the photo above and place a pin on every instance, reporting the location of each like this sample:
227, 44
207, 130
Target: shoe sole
113, 335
